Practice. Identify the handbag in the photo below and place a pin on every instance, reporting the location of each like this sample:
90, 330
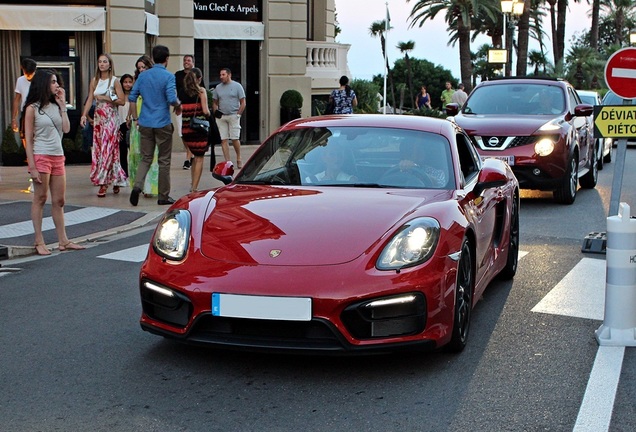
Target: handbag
197, 124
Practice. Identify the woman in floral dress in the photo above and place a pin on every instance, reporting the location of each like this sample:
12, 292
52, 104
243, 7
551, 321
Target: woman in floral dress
106, 90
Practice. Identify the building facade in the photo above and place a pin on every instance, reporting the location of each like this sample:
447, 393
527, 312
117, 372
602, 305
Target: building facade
270, 46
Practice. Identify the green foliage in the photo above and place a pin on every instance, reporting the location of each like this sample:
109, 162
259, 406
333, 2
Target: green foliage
291, 99
367, 93
10, 144
210, 100
424, 73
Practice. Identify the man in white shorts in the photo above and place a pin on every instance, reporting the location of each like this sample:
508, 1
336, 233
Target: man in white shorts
229, 104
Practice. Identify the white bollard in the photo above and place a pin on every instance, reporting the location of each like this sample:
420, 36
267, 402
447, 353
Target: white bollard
619, 325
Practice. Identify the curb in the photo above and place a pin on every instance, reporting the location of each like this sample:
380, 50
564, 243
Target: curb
24, 251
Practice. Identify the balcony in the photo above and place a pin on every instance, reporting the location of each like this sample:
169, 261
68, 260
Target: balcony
326, 63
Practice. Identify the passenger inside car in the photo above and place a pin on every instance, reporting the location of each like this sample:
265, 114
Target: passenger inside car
335, 167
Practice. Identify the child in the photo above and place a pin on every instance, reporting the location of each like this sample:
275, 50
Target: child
126, 84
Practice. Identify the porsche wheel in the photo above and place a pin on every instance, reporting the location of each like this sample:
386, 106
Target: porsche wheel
463, 299
512, 260
566, 193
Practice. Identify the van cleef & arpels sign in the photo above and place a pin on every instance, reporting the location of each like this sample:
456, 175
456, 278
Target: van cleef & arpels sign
228, 10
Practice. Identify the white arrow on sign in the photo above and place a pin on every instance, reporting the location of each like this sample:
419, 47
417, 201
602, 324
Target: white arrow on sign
623, 73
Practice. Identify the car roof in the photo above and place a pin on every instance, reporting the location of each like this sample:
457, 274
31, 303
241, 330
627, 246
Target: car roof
612, 98
526, 80
588, 92
429, 124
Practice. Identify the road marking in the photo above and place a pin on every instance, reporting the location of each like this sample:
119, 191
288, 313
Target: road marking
595, 414
623, 73
581, 293
133, 254
75, 217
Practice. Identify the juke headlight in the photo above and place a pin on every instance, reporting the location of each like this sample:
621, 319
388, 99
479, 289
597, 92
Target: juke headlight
173, 234
411, 245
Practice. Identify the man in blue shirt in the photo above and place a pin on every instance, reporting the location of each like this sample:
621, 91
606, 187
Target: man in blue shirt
158, 91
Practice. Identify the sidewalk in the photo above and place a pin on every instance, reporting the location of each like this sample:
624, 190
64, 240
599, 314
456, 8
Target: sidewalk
88, 216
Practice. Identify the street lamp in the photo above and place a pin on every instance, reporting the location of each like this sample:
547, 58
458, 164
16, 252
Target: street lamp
512, 10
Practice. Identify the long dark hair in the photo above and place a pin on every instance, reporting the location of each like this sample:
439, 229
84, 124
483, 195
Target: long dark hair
40, 90
344, 81
145, 60
190, 85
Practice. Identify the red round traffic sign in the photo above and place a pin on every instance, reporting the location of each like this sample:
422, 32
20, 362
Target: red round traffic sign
620, 73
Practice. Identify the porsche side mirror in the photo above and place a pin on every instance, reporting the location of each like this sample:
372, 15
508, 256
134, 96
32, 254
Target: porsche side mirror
223, 172
492, 175
452, 109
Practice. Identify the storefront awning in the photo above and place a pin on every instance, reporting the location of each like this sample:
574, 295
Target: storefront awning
60, 18
152, 24
229, 30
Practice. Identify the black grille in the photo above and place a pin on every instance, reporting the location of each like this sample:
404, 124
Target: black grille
314, 335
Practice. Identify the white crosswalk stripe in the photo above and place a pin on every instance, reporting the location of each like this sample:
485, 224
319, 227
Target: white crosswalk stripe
87, 214
134, 254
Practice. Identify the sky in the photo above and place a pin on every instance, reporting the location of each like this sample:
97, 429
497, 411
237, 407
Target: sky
365, 55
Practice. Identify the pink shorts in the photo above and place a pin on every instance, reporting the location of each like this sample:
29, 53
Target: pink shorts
53, 165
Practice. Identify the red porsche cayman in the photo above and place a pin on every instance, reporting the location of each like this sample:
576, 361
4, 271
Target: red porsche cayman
341, 234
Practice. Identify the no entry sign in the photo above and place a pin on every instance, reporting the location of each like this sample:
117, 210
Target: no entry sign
620, 73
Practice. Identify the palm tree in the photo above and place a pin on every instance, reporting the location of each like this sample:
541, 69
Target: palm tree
622, 14
537, 59
405, 48
458, 15
377, 29
596, 7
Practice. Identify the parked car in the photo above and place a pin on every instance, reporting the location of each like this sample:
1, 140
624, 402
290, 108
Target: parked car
341, 234
603, 145
539, 126
611, 98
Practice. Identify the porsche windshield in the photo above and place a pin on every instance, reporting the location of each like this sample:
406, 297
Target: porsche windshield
352, 156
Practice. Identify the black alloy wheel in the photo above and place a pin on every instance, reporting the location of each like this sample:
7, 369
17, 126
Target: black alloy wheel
463, 299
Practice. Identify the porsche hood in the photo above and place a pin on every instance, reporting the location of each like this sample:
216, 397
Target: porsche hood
286, 226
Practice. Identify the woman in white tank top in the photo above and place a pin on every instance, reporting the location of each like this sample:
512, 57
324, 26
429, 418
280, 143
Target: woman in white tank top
45, 121
108, 94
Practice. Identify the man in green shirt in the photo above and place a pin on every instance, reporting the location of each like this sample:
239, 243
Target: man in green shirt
447, 94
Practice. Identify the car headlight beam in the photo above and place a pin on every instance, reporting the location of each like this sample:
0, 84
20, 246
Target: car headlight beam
412, 245
544, 147
173, 234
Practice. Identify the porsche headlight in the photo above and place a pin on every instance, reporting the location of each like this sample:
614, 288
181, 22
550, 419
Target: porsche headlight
412, 245
173, 234
544, 147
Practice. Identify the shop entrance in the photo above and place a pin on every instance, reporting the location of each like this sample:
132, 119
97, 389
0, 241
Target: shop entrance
243, 59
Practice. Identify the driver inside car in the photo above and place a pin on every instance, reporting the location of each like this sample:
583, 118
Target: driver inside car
415, 156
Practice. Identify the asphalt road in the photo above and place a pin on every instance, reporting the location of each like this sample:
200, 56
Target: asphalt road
73, 356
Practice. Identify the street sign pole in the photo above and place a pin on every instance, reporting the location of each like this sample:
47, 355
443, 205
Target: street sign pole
620, 77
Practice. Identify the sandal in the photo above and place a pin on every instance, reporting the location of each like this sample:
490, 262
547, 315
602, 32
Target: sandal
70, 246
115, 190
41, 249
102, 191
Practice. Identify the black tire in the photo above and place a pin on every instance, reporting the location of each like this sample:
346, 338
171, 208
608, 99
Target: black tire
566, 193
464, 288
589, 180
509, 271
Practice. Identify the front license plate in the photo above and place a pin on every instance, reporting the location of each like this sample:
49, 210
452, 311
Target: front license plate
261, 307
508, 159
